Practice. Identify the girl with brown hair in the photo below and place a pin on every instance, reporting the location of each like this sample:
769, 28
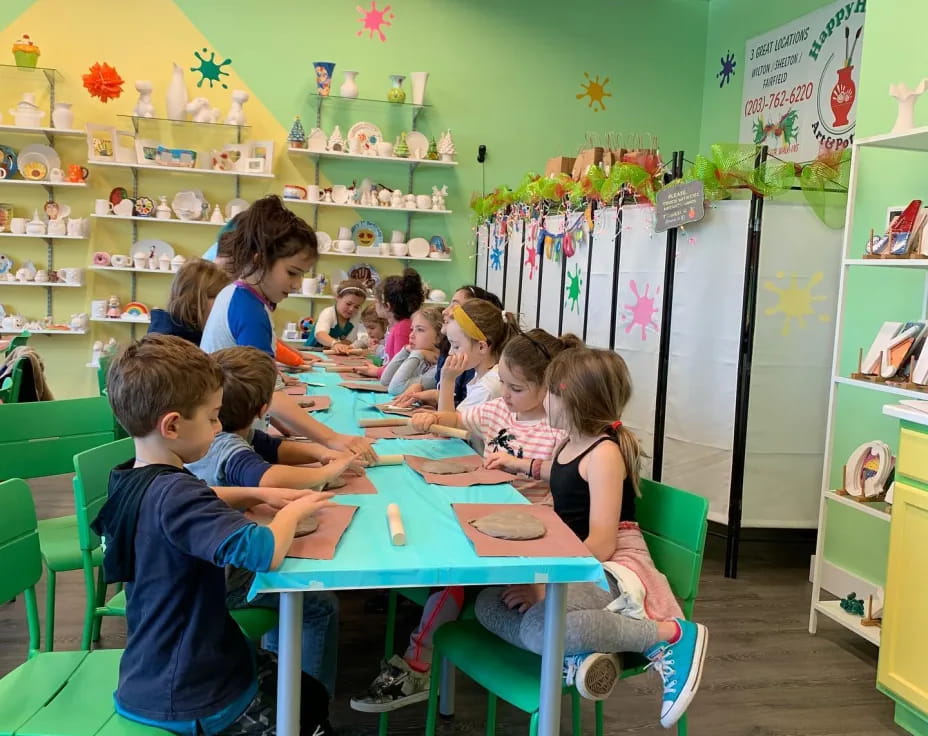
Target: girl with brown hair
193, 291
594, 483
333, 327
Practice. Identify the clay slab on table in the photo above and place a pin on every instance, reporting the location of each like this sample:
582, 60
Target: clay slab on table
558, 541
389, 433
319, 403
321, 544
478, 475
378, 388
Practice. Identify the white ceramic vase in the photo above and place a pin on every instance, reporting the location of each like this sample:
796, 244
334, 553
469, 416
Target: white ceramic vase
349, 87
177, 95
419, 80
63, 116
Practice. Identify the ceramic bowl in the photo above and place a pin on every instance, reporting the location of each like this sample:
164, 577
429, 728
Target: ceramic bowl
399, 250
345, 246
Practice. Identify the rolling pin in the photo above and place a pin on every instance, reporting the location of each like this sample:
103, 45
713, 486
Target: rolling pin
353, 351
388, 460
438, 429
395, 522
340, 368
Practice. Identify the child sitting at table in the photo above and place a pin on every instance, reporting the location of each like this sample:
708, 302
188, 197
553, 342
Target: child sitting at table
396, 298
514, 423
242, 456
187, 667
594, 481
375, 329
194, 289
418, 360
333, 328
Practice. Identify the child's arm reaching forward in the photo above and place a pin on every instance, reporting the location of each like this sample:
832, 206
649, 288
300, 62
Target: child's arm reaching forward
533, 468
289, 476
292, 452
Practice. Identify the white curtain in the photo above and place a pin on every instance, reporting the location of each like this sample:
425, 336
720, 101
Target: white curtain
601, 301
549, 316
513, 263
573, 295
528, 306
496, 259
483, 240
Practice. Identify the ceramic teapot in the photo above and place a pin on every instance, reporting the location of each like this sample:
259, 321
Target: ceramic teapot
13, 322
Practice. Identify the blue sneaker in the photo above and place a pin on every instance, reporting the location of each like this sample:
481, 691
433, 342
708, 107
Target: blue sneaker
680, 667
593, 674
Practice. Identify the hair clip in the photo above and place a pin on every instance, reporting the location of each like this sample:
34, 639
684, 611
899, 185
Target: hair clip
562, 386
616, 424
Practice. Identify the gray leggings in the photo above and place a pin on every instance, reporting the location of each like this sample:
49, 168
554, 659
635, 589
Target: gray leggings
590, 628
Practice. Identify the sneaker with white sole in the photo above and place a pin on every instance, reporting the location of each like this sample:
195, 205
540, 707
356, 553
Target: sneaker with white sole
594, 675
680, 666
397, 686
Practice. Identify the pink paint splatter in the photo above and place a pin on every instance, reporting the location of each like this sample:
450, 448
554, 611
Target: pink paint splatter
373, 19
643, 310
531, 260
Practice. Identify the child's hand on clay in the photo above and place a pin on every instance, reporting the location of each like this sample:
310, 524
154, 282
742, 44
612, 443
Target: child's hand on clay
423, 420
407, 398
505, 461
341, 348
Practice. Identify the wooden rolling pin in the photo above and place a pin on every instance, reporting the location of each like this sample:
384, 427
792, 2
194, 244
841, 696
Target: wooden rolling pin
388, 460
440, 430
339, 368
395, 522
353, 351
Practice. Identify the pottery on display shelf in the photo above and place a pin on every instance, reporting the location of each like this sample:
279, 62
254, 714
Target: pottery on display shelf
384, 149
177, 261
17, 226
396, 93
236, 114
217, 218
409, 201
41, 276
344, 233
35, 226
397, 236
143, 107
423, 202
296, 138
63, 116
164, 262
336, 142
419, 80
401, 147
79, 321
201, 111
349, 87
446, 146
317, 140
57, 227
163, 211
26, 113
76, 227
323, 70
140, 260
438, 197
176, 108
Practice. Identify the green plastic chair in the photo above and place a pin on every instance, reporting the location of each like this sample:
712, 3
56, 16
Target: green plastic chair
11, 391
39, 439
6, 391
17, 342
51, 693
91, 481
673, 523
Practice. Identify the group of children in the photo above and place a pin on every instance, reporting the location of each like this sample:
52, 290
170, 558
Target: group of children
197, 399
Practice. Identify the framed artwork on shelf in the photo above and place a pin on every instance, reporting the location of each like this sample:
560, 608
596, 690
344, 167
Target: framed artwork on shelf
237, 153
263, 150
146, 150
101, 142
255, 165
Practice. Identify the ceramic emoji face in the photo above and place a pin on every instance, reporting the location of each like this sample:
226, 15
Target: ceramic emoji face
366, 237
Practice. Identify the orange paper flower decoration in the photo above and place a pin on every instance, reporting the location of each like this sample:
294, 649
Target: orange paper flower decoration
103, 81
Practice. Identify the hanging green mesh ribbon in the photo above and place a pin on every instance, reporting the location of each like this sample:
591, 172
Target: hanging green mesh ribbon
824, 184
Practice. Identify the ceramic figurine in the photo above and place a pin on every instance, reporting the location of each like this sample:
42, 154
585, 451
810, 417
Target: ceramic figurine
905, 120
236, 114
95, 354
396, 93
446, 146
297, 136
349, 87
384, 196
177, 95
113, 310
409, 201
432, 153
13, 323
62, 116
79, 321
401, 148
163, 211
217, 218
201, 112
438, 197
419, 80
396, 199
25, 52
41, 276
144, 108
336, 142
22, 275
317, 140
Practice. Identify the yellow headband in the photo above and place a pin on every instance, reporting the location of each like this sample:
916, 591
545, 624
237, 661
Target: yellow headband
467, 324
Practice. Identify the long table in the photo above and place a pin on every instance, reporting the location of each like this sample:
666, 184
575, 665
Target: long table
436, 553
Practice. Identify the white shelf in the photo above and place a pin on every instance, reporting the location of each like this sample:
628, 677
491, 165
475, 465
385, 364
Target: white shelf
876, 509
179, 169
385, 258
70, 132
906, 413
373, 159
130, 269
888, 262
121, 321
908, 393
413, 210
833, 610
912, 140
329, 297
43, 183
44, 332
172, 221
55, 285
43, 237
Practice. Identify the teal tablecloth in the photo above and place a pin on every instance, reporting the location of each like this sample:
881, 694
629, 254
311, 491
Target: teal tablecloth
436, 552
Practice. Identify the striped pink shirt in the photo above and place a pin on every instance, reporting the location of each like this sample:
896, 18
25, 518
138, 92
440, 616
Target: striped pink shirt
503, 432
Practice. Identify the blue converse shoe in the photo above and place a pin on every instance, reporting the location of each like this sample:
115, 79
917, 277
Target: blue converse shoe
594, 675
680, 667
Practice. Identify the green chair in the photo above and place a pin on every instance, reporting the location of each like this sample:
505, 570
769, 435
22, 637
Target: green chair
51, 693
11, 392
91, 481
39, 439
102, 369
17, 342
6, 391
673, 523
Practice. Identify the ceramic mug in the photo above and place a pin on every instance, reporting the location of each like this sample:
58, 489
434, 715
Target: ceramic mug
344, 233
98, 309
124, 208
384, 249
120, 261
72, 275
294, 191
56, 175
311, 286
18, 225
397, 236
312, 193
384, 148
76, 227
399, 250
339, 194
140, 260
423, 202
102, 207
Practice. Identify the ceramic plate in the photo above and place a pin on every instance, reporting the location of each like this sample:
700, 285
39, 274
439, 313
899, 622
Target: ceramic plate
118, 194
417, 142
365, 273
144, 206
418, 248
366, 233
324, 241
8, 162
160, 248
37, 155
438, 244
367, 134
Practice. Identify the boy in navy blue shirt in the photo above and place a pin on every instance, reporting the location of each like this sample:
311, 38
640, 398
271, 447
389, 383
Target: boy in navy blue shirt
187, 667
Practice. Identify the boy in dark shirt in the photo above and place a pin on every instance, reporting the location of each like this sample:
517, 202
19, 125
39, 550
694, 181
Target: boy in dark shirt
187, 667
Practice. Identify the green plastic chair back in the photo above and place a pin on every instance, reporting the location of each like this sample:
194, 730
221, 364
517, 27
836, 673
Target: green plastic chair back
20, 556
12, 392
18, 341
91, 481
6, 390
102, 370
41, 438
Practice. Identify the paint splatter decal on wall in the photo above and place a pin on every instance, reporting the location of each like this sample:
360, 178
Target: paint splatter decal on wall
795, 302
496, 257
103, 81
531, 260
595, 90
374, 21
573, 288
642, 311
209, 70
728, 69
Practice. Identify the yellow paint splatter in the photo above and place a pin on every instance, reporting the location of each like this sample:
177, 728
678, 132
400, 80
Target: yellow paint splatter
796, 303
595, 90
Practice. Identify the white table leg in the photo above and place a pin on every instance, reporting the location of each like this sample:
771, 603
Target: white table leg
552, 659
289, 655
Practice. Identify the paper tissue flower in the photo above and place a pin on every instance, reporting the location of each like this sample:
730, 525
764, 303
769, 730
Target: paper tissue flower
103, 81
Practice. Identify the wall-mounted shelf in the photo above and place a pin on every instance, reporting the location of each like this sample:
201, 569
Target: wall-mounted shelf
179, 169
330, 297
44, 332
405, 210
42, 183
884, 387
833, 610
888, 262
383, 258
46, 285
43, 237
915, 139
69, 132
130, 269
373, 159
121, 321
136, 120
877, 509
172, 221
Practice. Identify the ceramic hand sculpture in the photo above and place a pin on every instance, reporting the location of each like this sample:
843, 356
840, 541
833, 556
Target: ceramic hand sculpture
907, 98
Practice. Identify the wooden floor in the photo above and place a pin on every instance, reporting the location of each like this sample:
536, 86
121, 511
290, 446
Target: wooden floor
765, 674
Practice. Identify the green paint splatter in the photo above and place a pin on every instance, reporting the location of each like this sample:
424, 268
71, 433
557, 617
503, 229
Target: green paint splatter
574, 284
209, 70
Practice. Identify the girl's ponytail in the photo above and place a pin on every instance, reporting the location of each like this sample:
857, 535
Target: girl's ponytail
630, 448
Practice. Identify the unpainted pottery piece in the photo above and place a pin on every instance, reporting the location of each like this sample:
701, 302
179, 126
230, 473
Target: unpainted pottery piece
335, 483
445, 467
306, 525
513, 525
